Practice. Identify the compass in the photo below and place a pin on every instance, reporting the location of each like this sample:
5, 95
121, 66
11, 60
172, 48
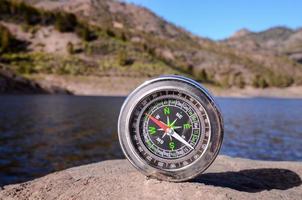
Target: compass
170, 128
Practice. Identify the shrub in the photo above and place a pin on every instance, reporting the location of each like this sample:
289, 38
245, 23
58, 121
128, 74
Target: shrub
25, 68
61, 70
48, 18
8, 43
259, 82
123, 37
5, 39
239, 81
85, 33
4, 7
70, 48
65, 22
26, 28
88, 49
31, 15
110, 32
202, 75
123, 58
280, 80
263, 83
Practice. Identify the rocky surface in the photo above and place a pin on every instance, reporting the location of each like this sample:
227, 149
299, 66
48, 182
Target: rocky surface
227, 178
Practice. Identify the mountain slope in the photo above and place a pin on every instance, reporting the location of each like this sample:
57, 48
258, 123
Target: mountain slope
113, 38
281, 41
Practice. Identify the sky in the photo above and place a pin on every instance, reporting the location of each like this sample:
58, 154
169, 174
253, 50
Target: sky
220, 19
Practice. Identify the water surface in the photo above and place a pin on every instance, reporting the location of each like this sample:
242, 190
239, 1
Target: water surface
40, 134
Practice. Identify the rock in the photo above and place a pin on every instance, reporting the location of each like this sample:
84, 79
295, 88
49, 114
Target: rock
241, 33
227, 178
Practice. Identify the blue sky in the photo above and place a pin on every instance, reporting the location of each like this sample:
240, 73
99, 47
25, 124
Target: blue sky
220, 19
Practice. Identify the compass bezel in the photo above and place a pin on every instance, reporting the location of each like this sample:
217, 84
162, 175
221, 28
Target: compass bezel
200, 94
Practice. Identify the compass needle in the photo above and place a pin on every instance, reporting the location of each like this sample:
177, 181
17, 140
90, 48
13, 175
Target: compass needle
179, 138
168, 121
158, 123
170, 128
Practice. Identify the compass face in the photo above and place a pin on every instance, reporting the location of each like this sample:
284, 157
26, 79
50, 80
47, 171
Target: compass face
170, 128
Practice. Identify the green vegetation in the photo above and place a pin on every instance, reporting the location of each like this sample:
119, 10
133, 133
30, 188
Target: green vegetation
201, 75
280, 80
20, 12
65, 22
85, 33
6, 39
272, 80
239, 81
70, 48
110, 32
29, 63
124, 59
8, 43
43, 63
259, 82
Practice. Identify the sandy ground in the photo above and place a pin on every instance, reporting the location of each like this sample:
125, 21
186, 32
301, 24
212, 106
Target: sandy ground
227, 178
122, 86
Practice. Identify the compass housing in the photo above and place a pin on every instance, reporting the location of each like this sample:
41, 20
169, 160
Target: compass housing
206, 150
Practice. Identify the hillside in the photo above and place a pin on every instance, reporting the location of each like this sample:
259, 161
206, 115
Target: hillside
107, 38
280, 41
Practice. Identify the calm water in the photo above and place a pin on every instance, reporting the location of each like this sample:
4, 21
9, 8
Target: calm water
41, 134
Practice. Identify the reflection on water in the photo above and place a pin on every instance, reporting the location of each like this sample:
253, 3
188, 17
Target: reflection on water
41, 134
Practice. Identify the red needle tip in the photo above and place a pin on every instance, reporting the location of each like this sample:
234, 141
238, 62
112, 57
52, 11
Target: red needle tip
158, 123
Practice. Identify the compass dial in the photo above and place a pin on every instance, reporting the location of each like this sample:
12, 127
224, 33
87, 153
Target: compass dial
170, 129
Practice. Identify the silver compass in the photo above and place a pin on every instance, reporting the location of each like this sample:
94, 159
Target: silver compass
170, 128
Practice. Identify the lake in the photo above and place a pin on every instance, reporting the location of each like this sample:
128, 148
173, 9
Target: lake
41, 134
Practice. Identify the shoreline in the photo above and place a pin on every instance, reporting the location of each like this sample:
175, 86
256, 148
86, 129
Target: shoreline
122, 86
226, 178
294, 92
